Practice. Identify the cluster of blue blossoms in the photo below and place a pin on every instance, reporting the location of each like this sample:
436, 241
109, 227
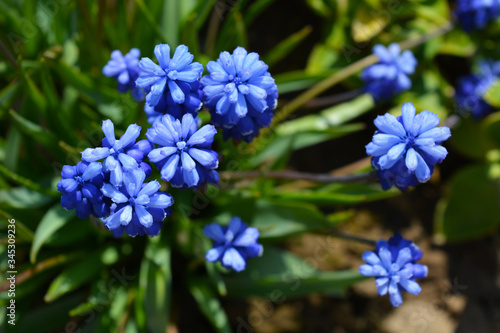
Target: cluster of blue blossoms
241, 95
390, 76
405, 149
469, 94
395, 268
477, 14
233, 244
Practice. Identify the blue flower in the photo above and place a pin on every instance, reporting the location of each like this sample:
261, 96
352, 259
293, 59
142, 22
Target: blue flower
120, 155
476, 14
471, 89
406, 148
80, 187
390, 76
138, 208
184, 155
172, 79
166, 105
394, 267
234, 244
240, 94
125, 69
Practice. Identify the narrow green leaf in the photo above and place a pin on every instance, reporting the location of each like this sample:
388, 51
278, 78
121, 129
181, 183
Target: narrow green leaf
331, 117
29, 184
339, 194
299, 140
255, 9
286, 46
279, 275
274, 218
209, 304
23, 198
22, 231
79, 273
152, 21
53, 220
155, 286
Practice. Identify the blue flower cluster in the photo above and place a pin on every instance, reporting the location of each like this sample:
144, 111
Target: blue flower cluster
476, 14
390, 76
125, 69
240, 94
80, 187
183, 154
233, 244
109, 181
393, 264
471, 89
405, 149
173, 86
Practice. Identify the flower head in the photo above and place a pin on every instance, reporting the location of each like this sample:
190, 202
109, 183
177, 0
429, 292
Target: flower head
471, 89
406, 148
393, 264
125, 69
138, 208
120, 155
80, 187
184, 155
166, 105
476, 14
234, 244
240, 94
171, 79
390, 76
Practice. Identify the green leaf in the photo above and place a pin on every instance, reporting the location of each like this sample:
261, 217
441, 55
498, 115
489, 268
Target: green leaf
274, 218
328, 118
36, 132
473, 207
492, 128
470, 139
286, 46
23, 198
340, 194
492, 96
155, 286
53, 220
209, 304
321, 58
283, 144
81, 272
279, 275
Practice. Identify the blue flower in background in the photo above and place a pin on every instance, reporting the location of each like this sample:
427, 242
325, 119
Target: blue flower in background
240, 94
476, 14
184, 155
393, 264
471, 89
390, 76
406, 148
80, 187
125, 69
120, 155
170, 82
138, 208
234, 244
